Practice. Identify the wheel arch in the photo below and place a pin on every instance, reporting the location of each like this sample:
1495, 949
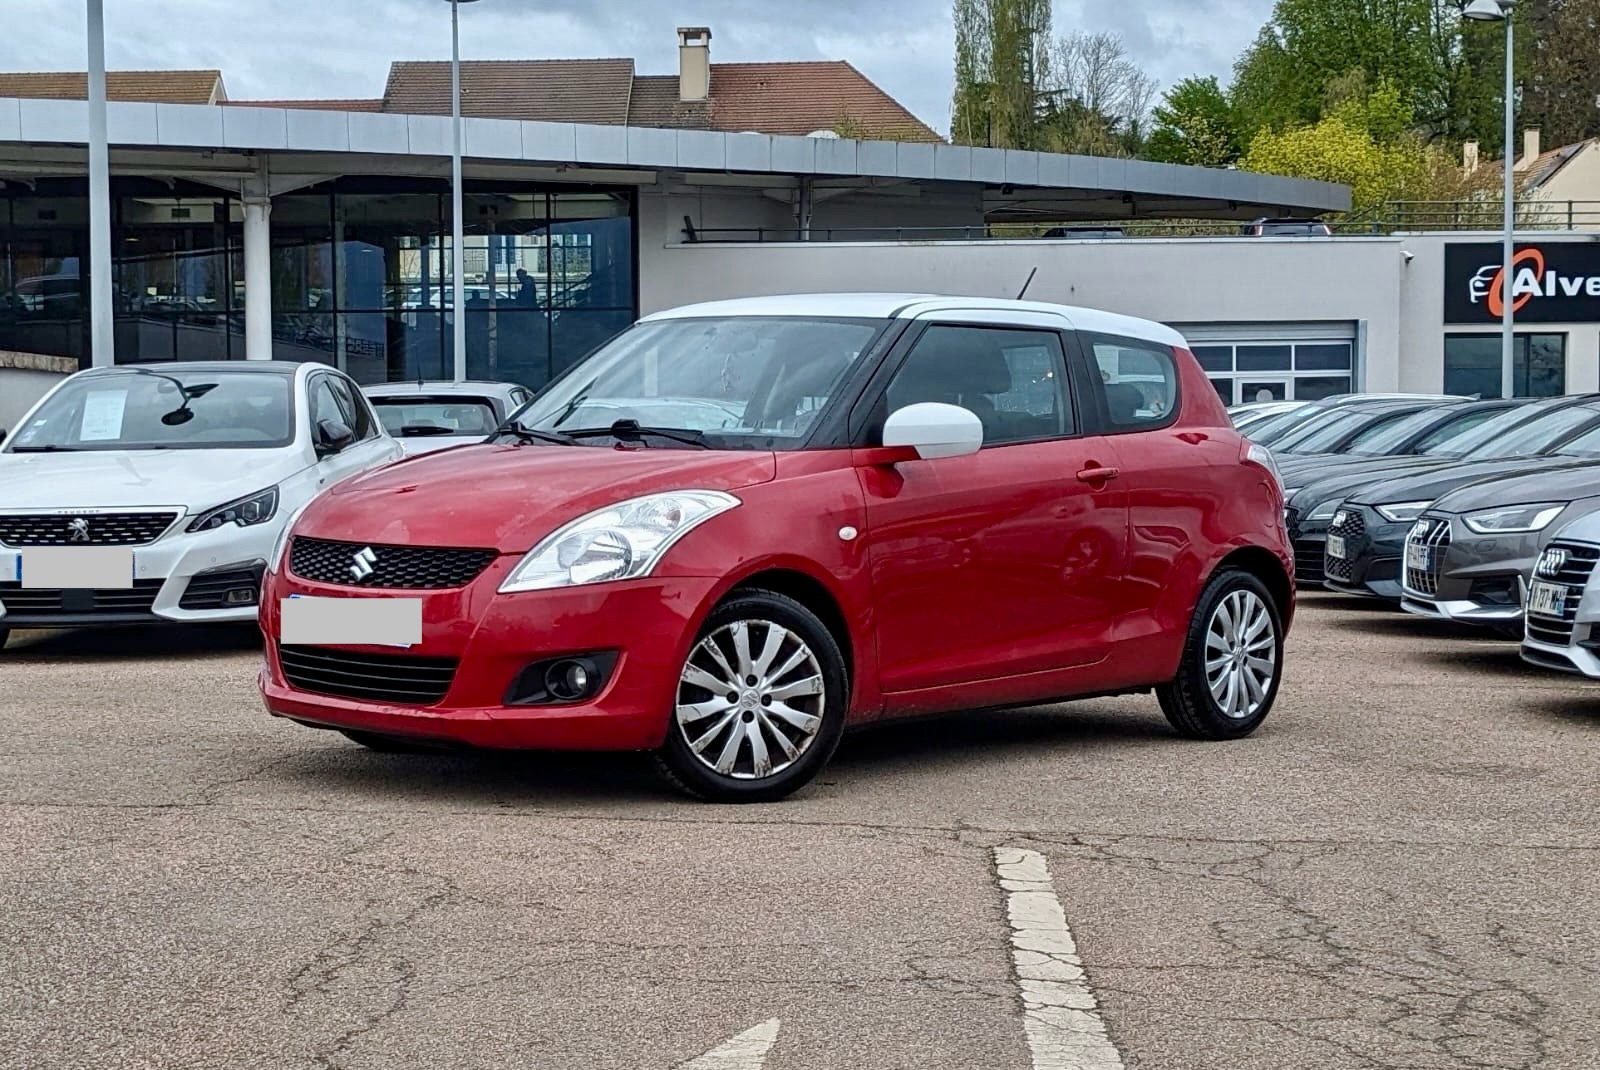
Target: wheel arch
1267, 567
811, 593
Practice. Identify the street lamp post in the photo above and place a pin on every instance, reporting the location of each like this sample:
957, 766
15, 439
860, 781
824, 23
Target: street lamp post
102, 337
458, 256
1500, 11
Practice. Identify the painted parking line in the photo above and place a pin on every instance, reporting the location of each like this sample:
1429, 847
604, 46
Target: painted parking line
1062, 1020
747, 1051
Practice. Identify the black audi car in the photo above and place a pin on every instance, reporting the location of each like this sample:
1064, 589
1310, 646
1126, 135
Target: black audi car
1367, 534
1315, 486
1428, 432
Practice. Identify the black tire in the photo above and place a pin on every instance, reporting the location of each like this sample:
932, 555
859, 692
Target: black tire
1188, 701
5, 634
759, 612
382, 744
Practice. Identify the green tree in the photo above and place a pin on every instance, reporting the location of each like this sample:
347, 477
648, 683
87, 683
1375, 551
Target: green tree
1002, 59
1561, 77
1194, 124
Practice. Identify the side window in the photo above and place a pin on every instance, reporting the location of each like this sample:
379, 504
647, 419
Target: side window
1440, 435
1137, 380
357, 416
324, 405
1015, 380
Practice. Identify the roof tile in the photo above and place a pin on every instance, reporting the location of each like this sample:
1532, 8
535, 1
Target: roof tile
552, 90
159, 87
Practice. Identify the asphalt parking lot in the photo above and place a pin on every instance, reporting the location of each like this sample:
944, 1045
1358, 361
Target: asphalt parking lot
1398, 871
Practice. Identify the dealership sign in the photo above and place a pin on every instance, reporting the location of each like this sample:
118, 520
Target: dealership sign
1553, 282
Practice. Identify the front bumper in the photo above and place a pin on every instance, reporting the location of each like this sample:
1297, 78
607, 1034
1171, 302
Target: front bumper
1372, 551
180, 578
490, 639
1472, 578
1310, 539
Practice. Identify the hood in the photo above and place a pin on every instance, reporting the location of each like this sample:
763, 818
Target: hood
1436, 483
1580, 480
194, 479
509, 497
1346, 480
1584, 529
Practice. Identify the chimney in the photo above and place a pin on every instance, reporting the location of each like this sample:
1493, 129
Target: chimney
694, 63
1469, 157
1530, 147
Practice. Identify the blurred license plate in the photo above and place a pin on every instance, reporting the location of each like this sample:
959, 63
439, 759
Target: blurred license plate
1547, 600
307, 621
1336, 546
1417, 557
76, 568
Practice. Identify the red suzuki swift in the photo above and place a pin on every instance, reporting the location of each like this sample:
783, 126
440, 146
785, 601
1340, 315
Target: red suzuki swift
739, 528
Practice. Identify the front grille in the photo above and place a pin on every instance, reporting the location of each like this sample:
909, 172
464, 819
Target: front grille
396, 678
1573, 574
1291, 522
209, 589
84, 529
41, 602
1433, 533
411, 568
1350, 525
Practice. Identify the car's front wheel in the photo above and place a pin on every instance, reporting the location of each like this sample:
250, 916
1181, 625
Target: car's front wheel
1232, 661
760, 705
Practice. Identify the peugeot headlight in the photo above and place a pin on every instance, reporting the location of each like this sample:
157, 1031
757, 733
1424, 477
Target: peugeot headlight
1399, 512
1326, 510
620, 542
1514, 519
253, 509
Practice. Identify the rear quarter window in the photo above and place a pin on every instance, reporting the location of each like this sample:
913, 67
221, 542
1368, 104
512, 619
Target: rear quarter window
1136, 381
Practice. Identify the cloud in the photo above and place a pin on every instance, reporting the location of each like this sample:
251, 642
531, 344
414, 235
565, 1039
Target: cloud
342, 48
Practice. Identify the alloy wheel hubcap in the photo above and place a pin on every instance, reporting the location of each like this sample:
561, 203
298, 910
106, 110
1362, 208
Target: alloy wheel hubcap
1241, 654
750, 699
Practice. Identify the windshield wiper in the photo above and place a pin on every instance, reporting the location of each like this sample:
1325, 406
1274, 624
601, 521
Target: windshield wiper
45, 449
524, 434
633, 431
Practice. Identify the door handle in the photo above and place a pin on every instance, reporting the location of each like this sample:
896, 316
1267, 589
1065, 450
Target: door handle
1097, 474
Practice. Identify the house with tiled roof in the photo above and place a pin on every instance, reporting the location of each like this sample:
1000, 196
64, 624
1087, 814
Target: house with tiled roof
1559, 185
149, 87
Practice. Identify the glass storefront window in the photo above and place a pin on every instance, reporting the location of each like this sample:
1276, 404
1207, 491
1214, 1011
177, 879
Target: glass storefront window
1472, 364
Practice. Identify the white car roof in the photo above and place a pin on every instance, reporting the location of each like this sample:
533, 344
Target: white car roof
910, 306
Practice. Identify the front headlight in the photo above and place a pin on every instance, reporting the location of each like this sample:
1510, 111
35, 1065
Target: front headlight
1402, 512
1514, 519
253, 509
1326, 510
620, 542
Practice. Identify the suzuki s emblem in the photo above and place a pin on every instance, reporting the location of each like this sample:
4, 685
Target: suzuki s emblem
77, 530
1551, 562
366, 564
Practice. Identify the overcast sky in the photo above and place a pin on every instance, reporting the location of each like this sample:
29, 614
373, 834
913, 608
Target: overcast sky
342, 48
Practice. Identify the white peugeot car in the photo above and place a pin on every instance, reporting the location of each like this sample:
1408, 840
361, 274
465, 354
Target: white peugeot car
156, 492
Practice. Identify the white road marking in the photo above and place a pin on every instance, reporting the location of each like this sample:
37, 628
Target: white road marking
1059, 1012
747, 1051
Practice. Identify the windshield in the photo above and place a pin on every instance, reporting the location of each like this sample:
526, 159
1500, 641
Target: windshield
134, 409
415, 417
744, 382
1272, 430
1322, 436
1489, 430
1537, 435
1384, 437
1585, 444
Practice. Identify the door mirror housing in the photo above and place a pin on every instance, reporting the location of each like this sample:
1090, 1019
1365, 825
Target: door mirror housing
934, 430
333, 436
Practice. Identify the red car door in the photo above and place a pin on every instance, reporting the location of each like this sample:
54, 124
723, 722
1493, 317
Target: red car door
1007, 562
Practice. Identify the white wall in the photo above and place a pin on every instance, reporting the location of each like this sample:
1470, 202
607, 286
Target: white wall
1232, 280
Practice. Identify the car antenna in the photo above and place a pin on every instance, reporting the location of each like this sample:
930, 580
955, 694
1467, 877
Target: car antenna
1027, 284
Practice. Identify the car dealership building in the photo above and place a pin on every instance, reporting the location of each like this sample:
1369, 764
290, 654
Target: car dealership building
341, 210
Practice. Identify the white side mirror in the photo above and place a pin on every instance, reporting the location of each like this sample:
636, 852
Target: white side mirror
934, 430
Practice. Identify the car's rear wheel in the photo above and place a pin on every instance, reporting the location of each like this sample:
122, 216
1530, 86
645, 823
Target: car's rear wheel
760, 704
1232, 661
376, 741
